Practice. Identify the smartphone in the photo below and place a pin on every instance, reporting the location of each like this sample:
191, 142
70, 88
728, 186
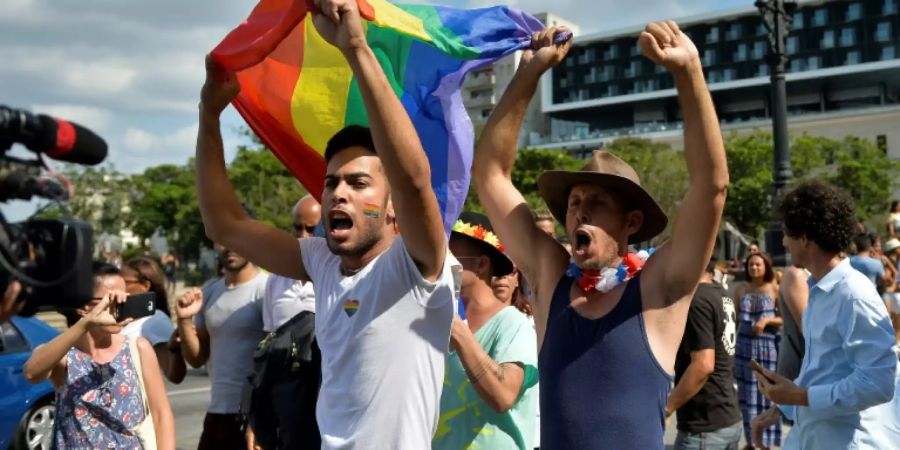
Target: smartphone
137, 306
758, 369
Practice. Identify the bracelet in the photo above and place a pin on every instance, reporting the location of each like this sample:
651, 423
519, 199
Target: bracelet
473, 377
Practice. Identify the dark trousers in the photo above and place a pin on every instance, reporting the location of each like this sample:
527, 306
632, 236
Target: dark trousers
222, 432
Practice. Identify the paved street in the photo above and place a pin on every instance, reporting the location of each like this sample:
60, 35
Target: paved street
189, 400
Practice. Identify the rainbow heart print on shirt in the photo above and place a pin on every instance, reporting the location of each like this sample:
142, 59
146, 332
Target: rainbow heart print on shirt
350, 307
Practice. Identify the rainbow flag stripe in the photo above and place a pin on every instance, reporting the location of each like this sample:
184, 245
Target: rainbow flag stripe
297, 90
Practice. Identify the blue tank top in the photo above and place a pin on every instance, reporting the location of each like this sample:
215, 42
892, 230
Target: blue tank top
601, 386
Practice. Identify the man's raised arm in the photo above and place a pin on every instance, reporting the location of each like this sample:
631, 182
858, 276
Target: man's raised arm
396, 141
495, 155
225, 220
681, 262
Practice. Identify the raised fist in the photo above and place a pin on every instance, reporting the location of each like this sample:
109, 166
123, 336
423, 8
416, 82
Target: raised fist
665, 44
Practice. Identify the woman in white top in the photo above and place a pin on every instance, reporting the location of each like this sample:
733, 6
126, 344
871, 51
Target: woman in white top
893, 222
144, 274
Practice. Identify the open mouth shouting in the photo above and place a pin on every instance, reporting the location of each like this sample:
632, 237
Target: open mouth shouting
339, 224
581, 242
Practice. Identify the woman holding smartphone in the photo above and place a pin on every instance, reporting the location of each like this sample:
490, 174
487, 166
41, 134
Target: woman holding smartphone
108, 386
143, 275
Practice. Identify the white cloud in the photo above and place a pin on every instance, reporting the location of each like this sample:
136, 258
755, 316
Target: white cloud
100, 77
96, 119
185, 138
140, 140
132, 71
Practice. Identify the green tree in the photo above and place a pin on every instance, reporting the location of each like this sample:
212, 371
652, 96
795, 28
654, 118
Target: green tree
863, 170
100, 197
529, 165
265, 185
662, 170
853, 163
166, 199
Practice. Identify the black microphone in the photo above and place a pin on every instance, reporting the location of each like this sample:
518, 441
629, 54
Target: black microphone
59, 139
23, 186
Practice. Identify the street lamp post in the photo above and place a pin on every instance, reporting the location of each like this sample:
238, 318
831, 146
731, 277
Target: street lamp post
777, 16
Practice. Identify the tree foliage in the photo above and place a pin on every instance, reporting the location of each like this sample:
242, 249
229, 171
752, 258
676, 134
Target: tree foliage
662, 170
529, 165
853, 164
163, 198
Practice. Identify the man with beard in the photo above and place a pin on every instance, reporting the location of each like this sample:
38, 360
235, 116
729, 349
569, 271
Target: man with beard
220, 326
608, 330
383, 301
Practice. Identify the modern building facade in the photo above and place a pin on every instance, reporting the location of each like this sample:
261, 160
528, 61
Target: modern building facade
483, 88
843, 78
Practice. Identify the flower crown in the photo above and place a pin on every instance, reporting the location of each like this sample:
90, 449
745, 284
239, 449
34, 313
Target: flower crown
478, 232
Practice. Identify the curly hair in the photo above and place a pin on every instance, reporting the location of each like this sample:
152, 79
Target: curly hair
821, 212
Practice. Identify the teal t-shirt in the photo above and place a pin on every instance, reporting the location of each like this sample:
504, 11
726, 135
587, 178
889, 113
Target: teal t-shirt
466, 422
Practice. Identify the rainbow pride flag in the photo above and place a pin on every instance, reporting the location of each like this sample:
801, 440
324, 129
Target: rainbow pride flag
297, 90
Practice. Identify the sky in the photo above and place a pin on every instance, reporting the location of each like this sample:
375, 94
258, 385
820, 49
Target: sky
131, 71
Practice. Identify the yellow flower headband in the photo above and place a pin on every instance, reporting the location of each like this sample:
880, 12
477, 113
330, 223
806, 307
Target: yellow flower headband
478, 232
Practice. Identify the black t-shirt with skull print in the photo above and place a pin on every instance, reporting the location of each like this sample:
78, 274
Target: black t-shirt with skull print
711, 324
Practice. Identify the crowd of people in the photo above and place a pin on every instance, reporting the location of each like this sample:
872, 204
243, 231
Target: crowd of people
381, 332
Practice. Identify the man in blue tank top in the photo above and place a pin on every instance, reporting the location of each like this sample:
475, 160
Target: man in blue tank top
607, 344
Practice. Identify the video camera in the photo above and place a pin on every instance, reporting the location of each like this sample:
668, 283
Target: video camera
51, 258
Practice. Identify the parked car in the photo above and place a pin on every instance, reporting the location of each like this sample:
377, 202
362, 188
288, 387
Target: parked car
26, 410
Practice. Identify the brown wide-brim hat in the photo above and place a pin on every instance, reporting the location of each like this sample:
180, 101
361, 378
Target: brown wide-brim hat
607, 171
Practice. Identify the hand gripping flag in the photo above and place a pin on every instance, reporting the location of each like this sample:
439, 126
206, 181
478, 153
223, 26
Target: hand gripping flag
297, 90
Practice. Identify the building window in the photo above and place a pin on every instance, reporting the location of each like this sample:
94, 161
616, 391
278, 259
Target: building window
848, 37
815, 62
741, 53
713, 36
612, 52
759, 50
482, 93
761, 29
888, 53
828, 39
635, 50
634, 69
883, 32
734, 32
798, 20
854, 11
612, 91
890, 7
729, 75
709, 56
608, 73
563, 83
852, 58
790, 45
820, 17
797, 65
762, 70
587, 57
485, 113
714, 76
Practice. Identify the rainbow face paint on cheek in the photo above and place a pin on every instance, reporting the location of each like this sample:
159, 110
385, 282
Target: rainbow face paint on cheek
372, 210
